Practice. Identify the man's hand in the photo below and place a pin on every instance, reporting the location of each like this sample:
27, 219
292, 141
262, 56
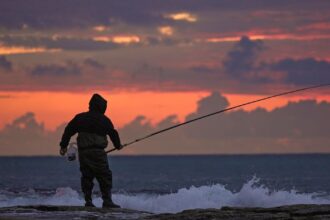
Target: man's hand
120, 147
63, 151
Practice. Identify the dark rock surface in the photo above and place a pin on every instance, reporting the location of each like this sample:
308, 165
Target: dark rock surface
67, 212
294, 212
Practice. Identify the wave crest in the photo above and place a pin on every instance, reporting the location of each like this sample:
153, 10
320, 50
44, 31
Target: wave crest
213, 196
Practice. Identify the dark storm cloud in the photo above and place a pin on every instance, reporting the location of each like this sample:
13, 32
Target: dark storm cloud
5, 64
57, 43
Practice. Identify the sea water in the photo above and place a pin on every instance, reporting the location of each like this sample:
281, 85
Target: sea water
173, 183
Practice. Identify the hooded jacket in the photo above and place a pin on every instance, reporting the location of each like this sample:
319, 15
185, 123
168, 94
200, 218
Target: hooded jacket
92, 127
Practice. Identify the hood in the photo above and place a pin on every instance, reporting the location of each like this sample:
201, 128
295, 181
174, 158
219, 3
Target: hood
97, 104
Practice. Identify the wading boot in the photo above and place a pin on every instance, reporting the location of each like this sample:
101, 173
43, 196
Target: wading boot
88, 200
89, 204
109, 204
107, 199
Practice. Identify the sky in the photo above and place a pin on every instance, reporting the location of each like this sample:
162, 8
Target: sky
159, 63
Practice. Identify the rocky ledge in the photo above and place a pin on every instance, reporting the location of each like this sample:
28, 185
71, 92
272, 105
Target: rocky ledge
48, 212
294, 212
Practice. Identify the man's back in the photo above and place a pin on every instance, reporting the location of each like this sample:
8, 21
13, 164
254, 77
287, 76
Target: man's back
92, 127
93, 122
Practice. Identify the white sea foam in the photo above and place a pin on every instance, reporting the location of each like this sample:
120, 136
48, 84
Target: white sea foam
213, 196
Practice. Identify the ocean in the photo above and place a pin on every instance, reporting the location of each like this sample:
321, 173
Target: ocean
161, 184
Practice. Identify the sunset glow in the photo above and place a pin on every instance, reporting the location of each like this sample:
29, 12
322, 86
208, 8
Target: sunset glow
102, 39
269, 37
166, 30
21, 50
155, 106
182, 16
99, 28
126, 39
118, 39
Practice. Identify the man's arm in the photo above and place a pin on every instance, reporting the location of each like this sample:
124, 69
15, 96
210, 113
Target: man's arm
114, 136
69, 131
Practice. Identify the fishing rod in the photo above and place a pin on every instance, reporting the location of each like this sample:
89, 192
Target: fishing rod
218, 112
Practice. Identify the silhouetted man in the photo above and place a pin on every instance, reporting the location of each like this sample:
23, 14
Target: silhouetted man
92, 128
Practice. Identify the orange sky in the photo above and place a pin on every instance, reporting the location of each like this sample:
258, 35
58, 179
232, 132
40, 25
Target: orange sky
54, 108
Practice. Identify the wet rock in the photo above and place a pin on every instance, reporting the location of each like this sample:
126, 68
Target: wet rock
294, 212
67, 212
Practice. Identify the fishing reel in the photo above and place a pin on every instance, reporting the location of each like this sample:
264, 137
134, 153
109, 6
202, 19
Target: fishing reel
72, 152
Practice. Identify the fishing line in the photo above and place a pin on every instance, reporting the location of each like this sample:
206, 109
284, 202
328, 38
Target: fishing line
218, 112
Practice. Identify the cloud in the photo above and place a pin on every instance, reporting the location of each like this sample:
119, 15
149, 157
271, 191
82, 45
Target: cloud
66, 43
305, 71
26, 136
63, 14
69, 68
141, 126
93, 63
213, 102
167, 41
286, 122
47, 14
182, 16
98, 43
298, 127
240, 62
41, 14
243, 63
25, 122
5, 64
142, 77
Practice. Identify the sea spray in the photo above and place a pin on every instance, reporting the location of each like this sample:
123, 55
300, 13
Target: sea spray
251, 194
216, 196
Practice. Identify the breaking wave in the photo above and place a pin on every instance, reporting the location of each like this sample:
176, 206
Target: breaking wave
213, 196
